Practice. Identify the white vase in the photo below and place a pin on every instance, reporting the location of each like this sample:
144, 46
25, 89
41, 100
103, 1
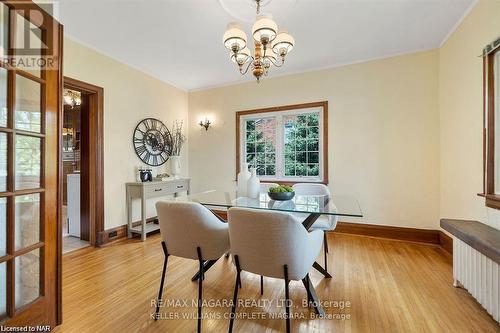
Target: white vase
242, 179
175, 166
253, 185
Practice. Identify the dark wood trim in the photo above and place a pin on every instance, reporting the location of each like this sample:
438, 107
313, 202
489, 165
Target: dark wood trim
104, 236
481, 237
484, 125
446, 242
492, 200
29, 76
427, 236
60, 121
490, 163
93, 198
323, 104
22, 192
87, 223
382, 231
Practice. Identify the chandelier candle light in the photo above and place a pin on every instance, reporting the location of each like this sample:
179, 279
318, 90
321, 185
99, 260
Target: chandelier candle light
270, 43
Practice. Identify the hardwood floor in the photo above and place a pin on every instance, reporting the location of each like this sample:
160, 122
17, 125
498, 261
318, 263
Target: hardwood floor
392, 286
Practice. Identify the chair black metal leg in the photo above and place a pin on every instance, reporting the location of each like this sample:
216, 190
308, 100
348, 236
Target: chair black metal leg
200, 288
164, 272
235, 295
261, 285
287, 300
325, 239
325, 250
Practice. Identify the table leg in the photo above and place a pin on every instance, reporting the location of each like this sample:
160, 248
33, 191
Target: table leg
129, 213
206, 266
307, 223
143, 215
312, 296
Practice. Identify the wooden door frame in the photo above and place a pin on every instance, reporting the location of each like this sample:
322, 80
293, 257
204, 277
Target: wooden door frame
96, 172
95, 206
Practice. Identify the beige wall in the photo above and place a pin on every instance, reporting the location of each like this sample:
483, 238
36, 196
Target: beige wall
405, 132
460, 104
383, 133
129, 96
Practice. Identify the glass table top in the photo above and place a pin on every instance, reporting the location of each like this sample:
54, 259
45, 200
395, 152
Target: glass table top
308, 204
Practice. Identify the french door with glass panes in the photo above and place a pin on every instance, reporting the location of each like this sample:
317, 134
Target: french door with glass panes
29, 109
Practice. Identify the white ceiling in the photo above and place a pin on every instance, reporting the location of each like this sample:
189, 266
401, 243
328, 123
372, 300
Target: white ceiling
180, 41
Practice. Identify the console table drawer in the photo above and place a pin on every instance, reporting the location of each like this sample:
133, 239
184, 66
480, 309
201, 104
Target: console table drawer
159, 190
165, 188
178, 187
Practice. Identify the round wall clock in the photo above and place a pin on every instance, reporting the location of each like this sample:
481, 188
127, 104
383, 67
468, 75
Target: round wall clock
152, 142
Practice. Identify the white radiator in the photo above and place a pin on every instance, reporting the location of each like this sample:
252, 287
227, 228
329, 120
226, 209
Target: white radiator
478, 274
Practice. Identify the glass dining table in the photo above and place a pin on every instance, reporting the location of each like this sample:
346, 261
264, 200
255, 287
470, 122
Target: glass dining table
309, 207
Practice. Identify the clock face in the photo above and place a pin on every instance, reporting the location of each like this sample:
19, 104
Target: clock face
152, 142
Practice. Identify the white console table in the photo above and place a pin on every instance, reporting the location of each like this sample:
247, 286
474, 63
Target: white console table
149, 190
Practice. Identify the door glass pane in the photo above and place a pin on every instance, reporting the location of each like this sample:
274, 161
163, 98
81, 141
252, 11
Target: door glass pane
4, 26
3, 97
28, 115
3, 226
27, 220
28, 151
27, 278
3, 162
3, 289
28, 45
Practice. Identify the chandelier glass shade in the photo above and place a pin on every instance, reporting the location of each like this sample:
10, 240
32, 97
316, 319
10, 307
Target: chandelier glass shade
270, 44
283, 43
264, 29
234, 38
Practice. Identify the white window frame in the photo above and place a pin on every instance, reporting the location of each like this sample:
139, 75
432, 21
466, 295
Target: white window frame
280, 143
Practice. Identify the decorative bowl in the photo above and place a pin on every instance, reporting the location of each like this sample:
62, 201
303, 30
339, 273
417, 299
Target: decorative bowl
281, 196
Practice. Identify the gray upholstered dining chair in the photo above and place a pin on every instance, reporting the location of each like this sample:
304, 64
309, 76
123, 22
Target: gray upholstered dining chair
189, 230
323, 223
272, 244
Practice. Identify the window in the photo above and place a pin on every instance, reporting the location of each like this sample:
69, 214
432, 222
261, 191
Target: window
286, 144
491, 136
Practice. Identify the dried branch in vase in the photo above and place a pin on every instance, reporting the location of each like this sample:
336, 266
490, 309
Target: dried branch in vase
178, 138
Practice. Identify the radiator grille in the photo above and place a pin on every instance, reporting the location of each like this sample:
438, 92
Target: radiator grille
478, 274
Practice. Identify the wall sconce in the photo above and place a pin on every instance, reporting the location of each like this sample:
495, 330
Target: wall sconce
205, 123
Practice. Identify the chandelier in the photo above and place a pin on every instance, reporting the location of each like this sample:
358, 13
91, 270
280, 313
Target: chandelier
270, 44
72, 98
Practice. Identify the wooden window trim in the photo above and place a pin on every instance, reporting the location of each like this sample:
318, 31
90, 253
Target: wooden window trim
322, 104
492, 200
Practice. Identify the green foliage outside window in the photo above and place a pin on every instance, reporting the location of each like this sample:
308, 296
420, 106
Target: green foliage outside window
301, 145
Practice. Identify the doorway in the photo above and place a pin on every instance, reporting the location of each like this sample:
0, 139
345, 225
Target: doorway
81, 204
75, 230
